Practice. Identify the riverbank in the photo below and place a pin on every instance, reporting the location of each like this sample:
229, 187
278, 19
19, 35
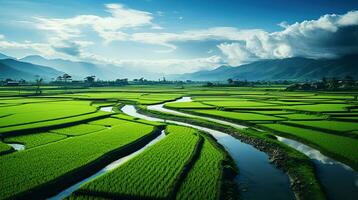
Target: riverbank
298, 166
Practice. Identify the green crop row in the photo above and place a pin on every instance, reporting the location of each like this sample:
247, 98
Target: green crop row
25, 171
204, 179
78, 129
298, 116
4, 148
242, 116
151, 174
233, 104
56, 123
327, 125
343, 148
35, 140
187, 105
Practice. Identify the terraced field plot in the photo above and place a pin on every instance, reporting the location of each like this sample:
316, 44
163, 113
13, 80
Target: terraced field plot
36, 166
34, 140
148, 176
328, 125
68, 139
242, 116
233, 104
342, 147
188, 105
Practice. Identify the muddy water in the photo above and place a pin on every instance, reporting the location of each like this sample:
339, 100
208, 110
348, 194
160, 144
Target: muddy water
258, 178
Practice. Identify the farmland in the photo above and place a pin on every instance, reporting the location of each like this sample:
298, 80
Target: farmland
67, 138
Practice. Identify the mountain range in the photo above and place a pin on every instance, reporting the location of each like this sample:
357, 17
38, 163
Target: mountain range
14, 69
295, 68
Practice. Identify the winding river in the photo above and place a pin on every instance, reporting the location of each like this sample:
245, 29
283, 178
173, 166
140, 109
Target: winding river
338, 180
258, 178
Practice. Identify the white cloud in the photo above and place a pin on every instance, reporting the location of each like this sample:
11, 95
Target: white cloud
109, 28
329, 36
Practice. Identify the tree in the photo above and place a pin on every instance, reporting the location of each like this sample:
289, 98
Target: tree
209, 84
66, 77
90, 79
230, 81
38, 85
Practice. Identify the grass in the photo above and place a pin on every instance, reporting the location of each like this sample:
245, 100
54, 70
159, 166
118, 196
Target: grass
151, 174
107, 122
327, 125
187, 105
242, 116
343, 148
4, 148
52, 123
25, 170
35, 140
204, 179
234, 104
321, 108
302, 117
79, 129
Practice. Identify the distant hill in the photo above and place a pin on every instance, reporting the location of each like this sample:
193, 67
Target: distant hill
3, 56
280, 69
14, 69
79, 70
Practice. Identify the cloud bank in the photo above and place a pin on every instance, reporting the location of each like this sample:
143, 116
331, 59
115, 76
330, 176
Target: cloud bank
331, 35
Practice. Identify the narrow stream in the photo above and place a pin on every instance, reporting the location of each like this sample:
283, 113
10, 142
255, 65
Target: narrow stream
258, 178
107, 109
160, 107
67, 192
16, 146
338, 180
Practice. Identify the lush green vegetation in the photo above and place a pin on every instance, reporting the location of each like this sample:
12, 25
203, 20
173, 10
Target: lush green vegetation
65, 135
298, 116
203, 180
153, 173
37, 112
328, 125
47, 124
237, 103
343, 148
78, 129
35, 140
25, 170
4, 148
187, 105
243, 116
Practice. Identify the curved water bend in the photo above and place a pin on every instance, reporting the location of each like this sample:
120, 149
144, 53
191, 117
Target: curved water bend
107, 109
258, 177
17, 146
160, 108
67, 192
338, 180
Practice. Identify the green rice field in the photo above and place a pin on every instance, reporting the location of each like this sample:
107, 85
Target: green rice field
67, 137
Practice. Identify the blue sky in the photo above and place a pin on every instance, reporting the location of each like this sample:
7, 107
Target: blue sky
177, 36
